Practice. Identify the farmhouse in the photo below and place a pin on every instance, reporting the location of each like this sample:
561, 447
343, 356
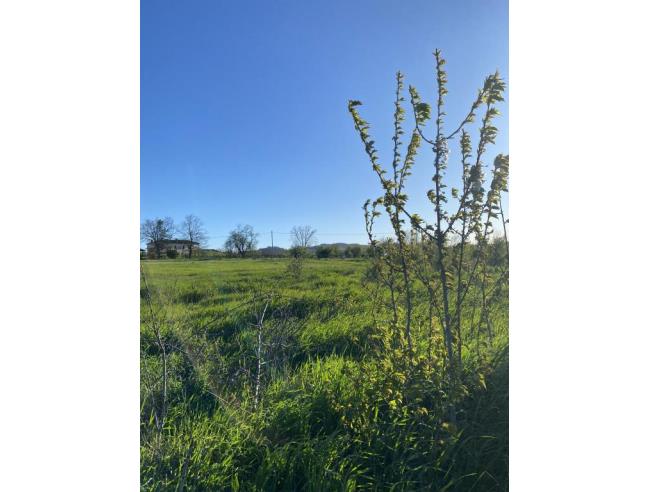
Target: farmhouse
180, 245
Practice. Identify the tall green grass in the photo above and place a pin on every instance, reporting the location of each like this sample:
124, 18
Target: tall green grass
336, 412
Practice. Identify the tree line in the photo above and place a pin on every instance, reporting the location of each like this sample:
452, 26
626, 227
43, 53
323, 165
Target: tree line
241, 242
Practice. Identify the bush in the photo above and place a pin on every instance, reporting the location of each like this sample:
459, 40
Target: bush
326, 252
171, 253
354, 251
298, 252
295, 267
323, 252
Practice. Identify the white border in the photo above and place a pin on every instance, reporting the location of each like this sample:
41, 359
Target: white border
70, 198
578, 176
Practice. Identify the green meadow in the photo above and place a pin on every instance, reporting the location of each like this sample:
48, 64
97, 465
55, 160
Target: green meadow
255, 376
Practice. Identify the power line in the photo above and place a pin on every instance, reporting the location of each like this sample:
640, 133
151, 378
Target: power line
338, 233
271, 233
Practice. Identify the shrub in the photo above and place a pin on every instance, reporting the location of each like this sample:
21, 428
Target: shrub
298, 252
354, 251
295, 267
171, 254
325, 251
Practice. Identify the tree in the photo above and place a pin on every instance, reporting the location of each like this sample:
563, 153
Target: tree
303, 236
157, 231
354, 251
192, 229
463, 221
325, 251
241, 240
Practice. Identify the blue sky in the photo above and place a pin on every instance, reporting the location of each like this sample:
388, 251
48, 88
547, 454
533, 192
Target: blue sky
244, 104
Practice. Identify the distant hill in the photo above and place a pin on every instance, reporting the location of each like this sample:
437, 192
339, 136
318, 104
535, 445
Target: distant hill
272, 251
340, 246
277, 251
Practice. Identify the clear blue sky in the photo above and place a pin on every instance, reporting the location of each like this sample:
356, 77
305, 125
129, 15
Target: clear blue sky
244, 104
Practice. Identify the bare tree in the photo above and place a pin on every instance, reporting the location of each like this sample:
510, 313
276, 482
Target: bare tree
193, 229
259, 327
156, 231
303, 236
241, 240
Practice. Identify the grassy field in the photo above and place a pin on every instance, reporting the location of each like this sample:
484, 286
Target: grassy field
253, 378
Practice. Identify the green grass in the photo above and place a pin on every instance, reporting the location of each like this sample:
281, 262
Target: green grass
332, 414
